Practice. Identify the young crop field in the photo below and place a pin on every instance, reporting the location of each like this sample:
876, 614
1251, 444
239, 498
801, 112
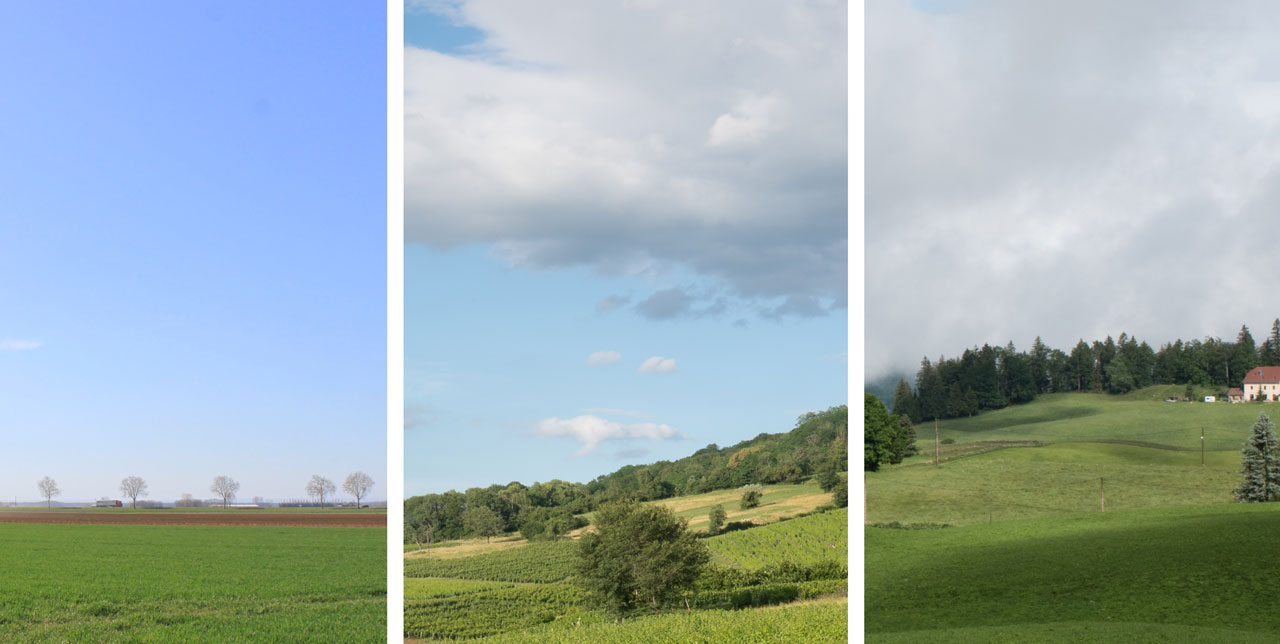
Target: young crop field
1138, 575
803, 540
147, 583
432, 587
818, 622
489, 612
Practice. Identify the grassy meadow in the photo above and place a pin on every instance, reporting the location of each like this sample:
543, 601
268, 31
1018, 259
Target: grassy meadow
1006, 539
226, 584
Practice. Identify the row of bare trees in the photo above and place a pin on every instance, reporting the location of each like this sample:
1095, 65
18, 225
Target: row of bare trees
357, 484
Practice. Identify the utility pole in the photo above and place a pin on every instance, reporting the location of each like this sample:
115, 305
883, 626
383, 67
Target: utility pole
1201, 446
1103, 486
935, 441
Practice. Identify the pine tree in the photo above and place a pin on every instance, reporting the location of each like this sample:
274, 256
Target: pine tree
904, 402
1261, 465
1270, 355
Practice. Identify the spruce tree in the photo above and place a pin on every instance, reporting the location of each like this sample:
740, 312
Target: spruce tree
1261, 465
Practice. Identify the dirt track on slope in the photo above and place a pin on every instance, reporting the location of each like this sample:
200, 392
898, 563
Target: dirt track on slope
263, 519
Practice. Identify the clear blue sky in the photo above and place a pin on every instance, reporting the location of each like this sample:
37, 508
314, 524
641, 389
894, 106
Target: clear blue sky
623, 183
192, 246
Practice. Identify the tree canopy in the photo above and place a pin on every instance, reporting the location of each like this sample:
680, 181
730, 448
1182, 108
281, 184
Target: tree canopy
638, 554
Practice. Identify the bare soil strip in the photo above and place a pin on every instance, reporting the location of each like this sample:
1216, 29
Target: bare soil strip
265, 519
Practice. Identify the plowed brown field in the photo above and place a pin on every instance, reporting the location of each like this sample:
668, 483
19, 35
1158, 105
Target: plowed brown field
371, 520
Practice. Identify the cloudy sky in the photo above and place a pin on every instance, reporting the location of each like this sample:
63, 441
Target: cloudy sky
192, 247
626, 232
1068, 170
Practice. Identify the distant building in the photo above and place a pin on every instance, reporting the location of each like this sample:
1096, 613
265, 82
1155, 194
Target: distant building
108, 503
1262, 383
1235, 395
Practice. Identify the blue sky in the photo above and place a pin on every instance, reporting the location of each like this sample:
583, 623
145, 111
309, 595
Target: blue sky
192, 255
658, 185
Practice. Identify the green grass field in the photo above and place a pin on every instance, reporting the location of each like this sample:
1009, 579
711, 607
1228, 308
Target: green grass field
1084, 578
124, 583
1031, 557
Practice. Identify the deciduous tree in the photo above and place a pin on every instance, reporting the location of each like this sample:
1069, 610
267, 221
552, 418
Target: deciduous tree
715, 519
358, 484
638, 554
319, 487
482, 522
48, 490
225, 487
133, 487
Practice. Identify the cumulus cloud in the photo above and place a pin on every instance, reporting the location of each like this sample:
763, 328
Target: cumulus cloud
629, 136
590, 431
658, 364
12, 344
1067, 170
603, 357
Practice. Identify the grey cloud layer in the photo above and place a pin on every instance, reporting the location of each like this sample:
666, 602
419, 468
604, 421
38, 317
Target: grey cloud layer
1068, 169
627, 137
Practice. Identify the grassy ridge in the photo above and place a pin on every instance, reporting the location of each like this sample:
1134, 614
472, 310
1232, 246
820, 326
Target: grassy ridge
121, 583
1051, 480
1087, 417
1210, 567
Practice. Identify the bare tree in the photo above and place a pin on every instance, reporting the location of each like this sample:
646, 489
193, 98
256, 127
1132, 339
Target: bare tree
48, 489
225, 487
133, 487
319, 486
358, 485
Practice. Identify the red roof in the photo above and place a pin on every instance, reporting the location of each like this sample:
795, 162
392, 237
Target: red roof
1235, 391
1263, 374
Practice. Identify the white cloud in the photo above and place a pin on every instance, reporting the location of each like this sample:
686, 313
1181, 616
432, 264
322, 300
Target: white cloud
650, 134
590, 431
603, 357
11, 344
658, 364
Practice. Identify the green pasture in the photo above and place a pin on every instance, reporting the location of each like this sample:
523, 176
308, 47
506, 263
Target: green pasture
224, 584
1196, 574
1141, 416
1056, 479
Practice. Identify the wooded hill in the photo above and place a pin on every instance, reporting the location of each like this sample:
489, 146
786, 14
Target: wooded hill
818, 441
995, 377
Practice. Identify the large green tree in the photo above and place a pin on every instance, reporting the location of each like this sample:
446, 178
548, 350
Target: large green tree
638, 555
483, 522
1260, 465
886, 439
